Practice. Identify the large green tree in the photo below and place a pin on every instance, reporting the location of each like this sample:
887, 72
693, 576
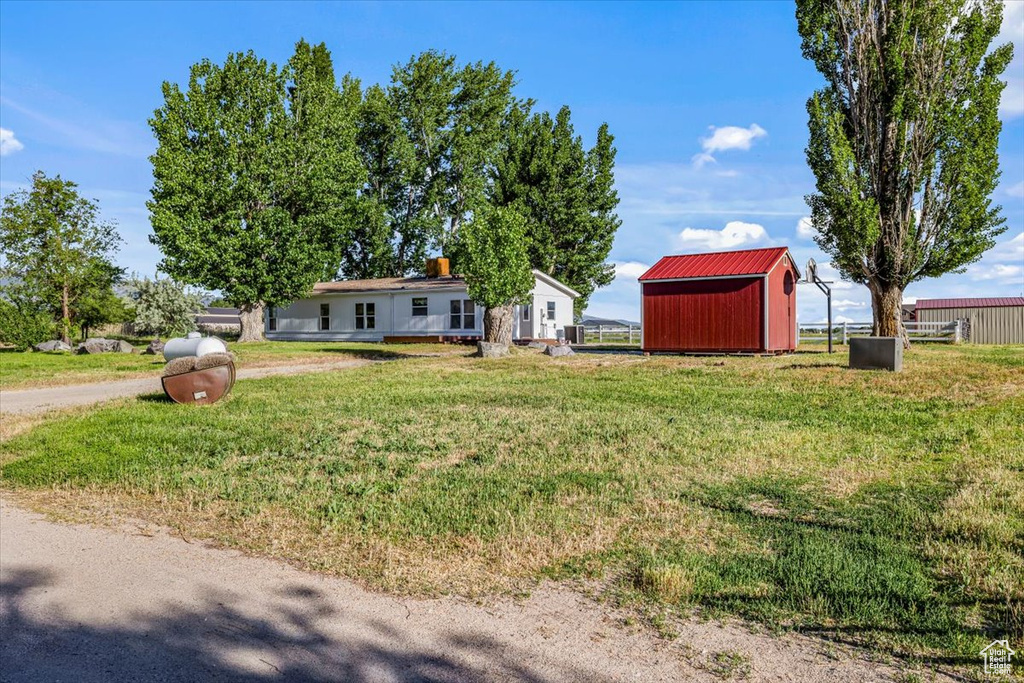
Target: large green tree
256, 176
56, 250
903, 138
567, 195
498, 274
428, 142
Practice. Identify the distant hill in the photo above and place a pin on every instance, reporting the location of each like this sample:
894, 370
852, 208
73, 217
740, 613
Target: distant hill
591, 320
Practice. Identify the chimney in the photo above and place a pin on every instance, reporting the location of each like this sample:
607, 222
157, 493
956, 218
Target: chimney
437, 267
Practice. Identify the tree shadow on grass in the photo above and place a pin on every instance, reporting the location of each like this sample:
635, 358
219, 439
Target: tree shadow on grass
219, 640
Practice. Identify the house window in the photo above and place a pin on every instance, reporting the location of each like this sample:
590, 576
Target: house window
419, 307
325, 317
366, 316
526, 311
551, 310
272, 319
463, 315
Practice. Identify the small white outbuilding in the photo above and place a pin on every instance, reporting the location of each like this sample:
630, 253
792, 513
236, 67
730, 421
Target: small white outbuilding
414, 309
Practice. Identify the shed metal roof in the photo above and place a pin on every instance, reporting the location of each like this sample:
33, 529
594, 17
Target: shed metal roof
991, 302
716, 264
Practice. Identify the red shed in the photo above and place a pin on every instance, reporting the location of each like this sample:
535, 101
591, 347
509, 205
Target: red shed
732, 302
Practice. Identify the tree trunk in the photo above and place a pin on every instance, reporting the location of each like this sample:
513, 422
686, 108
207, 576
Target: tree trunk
498, 325
251, 316
65, 317
887, 309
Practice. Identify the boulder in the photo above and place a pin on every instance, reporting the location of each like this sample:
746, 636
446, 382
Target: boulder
559, 351
537, 345
95, 345
156, 346
55, 345
121, 346
490, 350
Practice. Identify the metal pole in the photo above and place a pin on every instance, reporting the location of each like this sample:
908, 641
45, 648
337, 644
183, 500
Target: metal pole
829, 294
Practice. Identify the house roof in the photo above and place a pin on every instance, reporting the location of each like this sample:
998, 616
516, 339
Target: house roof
716, 264
391, 284
418, 284
991, 302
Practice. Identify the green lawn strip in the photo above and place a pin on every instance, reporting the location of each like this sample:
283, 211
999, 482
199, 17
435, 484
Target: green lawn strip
25, 370
786, 490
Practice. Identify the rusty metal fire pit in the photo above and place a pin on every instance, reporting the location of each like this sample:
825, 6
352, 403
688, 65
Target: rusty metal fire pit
202, 380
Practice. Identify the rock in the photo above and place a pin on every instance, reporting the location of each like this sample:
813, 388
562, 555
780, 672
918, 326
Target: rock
490, 350
55, 345
156, 346
95, 345
101, 345
559, 351
537, 345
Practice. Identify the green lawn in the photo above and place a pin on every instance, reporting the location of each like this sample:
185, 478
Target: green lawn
884, 509
24, 370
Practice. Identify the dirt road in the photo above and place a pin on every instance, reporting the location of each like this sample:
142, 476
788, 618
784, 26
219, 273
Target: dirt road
26, 401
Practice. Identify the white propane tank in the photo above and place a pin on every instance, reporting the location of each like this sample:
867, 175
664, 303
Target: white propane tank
193, 345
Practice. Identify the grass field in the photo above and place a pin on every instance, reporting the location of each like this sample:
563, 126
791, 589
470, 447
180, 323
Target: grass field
883, 509
24, 370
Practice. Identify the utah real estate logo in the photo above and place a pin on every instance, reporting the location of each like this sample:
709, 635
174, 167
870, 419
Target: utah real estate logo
997, 658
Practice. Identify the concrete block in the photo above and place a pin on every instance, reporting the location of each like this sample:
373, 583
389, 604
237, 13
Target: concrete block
876, 353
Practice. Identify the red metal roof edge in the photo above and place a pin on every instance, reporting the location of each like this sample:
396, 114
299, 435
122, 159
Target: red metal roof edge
970, 302
720, 265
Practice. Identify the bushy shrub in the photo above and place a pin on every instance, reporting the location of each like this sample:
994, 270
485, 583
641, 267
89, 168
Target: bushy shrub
23, 328
163, 307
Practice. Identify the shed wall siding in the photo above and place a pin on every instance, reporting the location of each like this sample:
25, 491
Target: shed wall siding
990, 325
782, 308
704, 315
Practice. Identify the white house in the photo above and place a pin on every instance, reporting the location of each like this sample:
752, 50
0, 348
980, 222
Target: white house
414, 309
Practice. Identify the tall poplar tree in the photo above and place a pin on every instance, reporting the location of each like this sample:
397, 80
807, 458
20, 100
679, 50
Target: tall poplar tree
256, 175
429, 142
903, 138
567, 195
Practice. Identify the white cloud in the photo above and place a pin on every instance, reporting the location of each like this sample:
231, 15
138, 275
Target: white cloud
732, 137
804, 229
1012, 251
999, 271
8, 143
724, 138
1012, 31
734, 234
702, 158
843, 304
1016, 190
630, 269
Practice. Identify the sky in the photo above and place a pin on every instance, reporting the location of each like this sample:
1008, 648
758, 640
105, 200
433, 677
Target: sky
706, 102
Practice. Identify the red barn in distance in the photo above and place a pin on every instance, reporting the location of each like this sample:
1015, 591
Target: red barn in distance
723, 302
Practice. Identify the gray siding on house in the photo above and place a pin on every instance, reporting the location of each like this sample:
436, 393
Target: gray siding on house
989, 325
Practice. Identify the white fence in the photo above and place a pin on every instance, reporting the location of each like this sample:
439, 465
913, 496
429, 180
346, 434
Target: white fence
952, 331
612, 334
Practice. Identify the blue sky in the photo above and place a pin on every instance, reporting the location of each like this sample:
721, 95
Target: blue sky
706, 101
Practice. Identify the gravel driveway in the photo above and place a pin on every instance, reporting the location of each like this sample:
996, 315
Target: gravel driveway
24, 401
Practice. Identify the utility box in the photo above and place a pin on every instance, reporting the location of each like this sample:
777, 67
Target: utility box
876, 353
